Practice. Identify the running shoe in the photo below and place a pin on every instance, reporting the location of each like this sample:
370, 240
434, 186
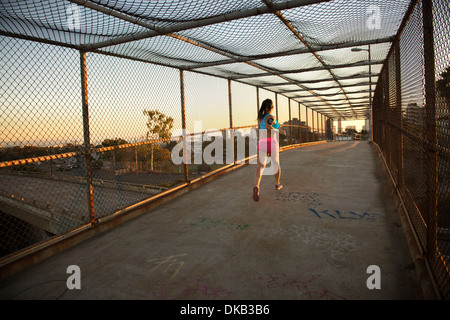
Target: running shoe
256, 194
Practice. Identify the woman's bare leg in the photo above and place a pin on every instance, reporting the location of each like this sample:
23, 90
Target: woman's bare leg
276, 160
278, 175
259, 170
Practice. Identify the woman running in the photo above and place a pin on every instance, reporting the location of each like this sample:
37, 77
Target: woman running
267, 146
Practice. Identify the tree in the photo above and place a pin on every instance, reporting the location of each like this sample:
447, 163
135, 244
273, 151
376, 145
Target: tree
350, 131
113, 142
364, 134
114, 155
443, 84
159, 126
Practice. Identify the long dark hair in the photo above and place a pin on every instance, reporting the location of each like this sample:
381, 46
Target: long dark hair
265, 108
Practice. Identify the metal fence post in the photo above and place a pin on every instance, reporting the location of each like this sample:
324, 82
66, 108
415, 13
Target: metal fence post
324, 127
321, 127
306, 124
387, 115
300, 121
183, 125
370, 98
276, 105
257, 101
290, 122
399, 114
230, 107
87, 139
430, 128
318, 126
230, 104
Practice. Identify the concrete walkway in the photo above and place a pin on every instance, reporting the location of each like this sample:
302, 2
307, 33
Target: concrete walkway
314, 239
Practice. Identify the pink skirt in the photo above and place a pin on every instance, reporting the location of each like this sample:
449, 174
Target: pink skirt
268, 145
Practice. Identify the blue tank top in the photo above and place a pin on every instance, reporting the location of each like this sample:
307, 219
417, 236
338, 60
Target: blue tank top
276, 125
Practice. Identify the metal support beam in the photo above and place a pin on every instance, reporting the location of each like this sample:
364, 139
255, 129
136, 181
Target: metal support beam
290, 122
230, 108
300, 121
318, 125
295, 71
87, 139
430, 131
307, 125
398, 91
324, 127
257, 101
276, 105
155, 30
361, 76
230, 103
335, 100
183, 125
361, 84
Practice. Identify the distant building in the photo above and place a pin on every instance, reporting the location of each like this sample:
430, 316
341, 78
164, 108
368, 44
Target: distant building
295, 121
301, 134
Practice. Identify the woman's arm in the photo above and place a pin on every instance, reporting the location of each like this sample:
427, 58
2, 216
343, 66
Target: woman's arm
270, 121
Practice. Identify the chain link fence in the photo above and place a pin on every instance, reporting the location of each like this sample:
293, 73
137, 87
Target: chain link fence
411, 121
87, 135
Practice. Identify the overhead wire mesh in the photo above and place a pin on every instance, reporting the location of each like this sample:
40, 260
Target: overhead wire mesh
226, 38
